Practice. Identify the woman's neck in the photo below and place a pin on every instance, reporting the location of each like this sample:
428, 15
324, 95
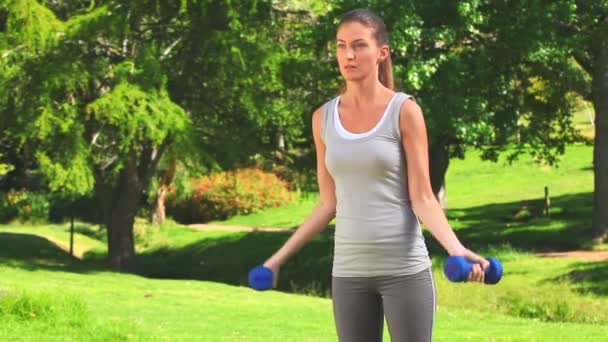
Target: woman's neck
365, 92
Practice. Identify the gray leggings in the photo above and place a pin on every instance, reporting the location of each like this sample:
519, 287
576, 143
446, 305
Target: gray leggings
408, 302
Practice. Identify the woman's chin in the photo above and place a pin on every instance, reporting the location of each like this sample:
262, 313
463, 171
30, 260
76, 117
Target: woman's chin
349, 77
354, 79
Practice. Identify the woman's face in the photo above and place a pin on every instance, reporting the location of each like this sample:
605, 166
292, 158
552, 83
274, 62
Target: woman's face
358, 52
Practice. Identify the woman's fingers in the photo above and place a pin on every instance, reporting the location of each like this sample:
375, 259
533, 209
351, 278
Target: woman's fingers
480, 265
275, 277
275, 272
476, 273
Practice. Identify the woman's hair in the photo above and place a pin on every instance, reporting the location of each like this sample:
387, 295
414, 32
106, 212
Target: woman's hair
369, 19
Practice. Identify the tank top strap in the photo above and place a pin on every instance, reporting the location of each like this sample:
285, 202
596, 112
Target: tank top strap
393, 112
326, 118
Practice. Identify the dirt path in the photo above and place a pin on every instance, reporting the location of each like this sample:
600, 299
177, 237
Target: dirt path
210, 227
581, 255
78, 251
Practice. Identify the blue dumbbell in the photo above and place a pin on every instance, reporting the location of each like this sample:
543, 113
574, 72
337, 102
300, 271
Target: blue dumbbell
457, 268
261, 278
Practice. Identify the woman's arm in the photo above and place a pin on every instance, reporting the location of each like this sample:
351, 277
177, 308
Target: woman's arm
424, 203
321, 215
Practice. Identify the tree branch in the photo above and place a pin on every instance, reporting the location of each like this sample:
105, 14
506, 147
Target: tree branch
8, 52
168, 50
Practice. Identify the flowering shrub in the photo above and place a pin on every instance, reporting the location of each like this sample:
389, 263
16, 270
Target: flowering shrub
24, 205
294, 170
224, 194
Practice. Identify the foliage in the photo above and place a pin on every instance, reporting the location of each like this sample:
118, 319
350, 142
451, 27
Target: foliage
5, 168
83, 208
24, 205
224, 194
285, 167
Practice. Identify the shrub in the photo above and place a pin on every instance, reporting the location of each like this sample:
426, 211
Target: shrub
224, 194
25, 205
297, 169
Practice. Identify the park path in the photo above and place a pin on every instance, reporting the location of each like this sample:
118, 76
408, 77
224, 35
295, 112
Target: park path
233, 228
581, 255
600, 255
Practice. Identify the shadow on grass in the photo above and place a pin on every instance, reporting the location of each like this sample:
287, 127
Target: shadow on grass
588, 277
523, 225
229, 259
97, 234
32, 252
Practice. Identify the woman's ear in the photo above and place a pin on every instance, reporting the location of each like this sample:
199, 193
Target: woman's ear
384, 53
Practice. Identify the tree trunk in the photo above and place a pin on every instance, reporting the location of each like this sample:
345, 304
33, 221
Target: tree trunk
123, 204
438, 166
120, 201
158, 212
121, 248
600, 149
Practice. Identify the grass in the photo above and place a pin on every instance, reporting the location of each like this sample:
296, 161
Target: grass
191, 285
289, 216
103, 305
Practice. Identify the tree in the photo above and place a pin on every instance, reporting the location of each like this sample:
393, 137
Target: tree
581, 28
90, 94
238, 100
102, 90
567, 54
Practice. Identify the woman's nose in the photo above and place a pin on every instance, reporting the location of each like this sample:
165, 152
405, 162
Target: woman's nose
350, 54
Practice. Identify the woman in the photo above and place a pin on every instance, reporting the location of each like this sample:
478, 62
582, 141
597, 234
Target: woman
363, 138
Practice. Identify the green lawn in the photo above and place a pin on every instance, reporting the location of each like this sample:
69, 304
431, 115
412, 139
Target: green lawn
64, 298
192, 285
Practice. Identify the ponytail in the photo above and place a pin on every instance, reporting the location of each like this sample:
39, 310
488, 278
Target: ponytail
385, 73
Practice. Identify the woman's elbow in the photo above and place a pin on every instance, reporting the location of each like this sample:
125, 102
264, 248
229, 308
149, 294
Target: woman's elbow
329, 208
421, 198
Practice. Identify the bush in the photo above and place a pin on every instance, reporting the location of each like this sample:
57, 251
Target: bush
297, 169
224, 194
25, 205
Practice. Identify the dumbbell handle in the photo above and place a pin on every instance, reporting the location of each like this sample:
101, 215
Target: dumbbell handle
457, 269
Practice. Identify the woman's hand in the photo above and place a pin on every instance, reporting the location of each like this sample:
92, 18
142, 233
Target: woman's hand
275, 272
480, 264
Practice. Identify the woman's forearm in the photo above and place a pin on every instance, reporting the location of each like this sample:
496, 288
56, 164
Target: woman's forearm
318, 219
431, 214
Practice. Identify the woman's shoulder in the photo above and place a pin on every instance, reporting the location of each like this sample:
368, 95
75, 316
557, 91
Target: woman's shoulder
323, 107
407, 103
